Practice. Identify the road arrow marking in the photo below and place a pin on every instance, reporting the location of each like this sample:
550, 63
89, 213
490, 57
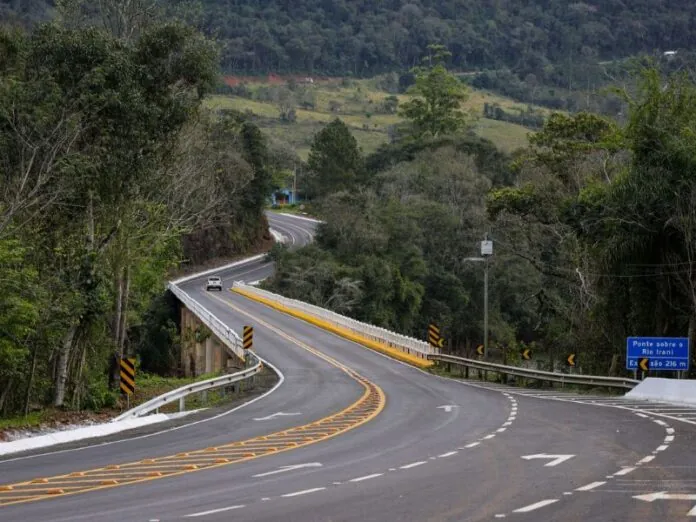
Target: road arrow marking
663, 495
283, 469
279, 414
555, 459
447, 407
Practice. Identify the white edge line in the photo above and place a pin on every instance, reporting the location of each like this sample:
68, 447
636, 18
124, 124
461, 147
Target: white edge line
303, 492
591, 486
213, 511
366, 477
281, 380
537, 505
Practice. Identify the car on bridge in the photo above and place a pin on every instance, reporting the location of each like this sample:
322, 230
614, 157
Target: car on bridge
214, 283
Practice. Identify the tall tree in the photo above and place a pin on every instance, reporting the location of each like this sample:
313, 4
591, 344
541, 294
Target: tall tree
335, 161
435, 108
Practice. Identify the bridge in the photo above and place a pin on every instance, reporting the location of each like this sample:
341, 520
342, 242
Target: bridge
352, 434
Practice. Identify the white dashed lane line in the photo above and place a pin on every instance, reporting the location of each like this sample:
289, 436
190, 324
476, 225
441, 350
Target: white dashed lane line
472, 445
413, 465
448, 454
214, 511
591, 486
366, 477
536, 505
624, 471
303, 492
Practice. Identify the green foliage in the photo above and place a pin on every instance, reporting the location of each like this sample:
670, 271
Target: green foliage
435, 109
335, 161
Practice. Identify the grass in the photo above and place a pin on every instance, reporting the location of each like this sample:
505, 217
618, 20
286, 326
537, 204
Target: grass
359, 107
33, 419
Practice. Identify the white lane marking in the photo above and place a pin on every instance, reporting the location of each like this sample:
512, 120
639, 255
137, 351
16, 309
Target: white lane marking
662, 448
265, 499
489, 436
567, 493
555, 459
413, 465
366, 477
647, 459
500, 515
303, 492
447, 407
501, 430
279, 414
507, 423
590, 486
669, 438
392, 469
624, 471
337, 483
642, 415
281, 380
283, 469
660, 422
213, 511
472, 445
537, 505
670, 431
448, 454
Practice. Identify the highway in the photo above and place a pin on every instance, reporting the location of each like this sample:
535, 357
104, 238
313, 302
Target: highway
418, 447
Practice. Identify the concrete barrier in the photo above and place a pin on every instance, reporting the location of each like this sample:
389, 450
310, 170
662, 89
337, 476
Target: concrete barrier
679, 391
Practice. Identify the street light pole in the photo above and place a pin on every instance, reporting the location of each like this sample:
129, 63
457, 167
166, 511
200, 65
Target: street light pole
485, 308
486, 253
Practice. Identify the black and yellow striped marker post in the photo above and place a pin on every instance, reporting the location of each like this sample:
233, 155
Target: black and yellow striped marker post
248, 338
434, 338
127, 374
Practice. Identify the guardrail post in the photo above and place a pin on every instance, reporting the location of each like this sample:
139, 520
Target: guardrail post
204, 397
466, 372
182, 403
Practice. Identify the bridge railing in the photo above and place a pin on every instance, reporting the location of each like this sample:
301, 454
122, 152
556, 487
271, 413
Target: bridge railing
181, 393
541, 375
229, 337
400, 342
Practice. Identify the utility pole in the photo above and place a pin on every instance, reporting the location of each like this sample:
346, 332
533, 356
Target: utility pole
294, 185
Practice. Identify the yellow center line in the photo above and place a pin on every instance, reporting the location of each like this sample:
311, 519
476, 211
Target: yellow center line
364, 409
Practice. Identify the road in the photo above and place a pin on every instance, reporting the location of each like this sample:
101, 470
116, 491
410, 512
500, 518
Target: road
431, 448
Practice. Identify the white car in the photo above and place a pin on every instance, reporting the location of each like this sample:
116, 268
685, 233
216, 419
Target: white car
214, 283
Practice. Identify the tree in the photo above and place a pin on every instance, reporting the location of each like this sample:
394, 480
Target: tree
435, 108
335, 161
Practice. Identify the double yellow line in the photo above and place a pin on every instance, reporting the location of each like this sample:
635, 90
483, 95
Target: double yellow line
366, 408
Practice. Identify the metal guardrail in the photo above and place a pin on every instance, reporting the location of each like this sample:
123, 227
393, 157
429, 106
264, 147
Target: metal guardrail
228, 336
589, 380
375, 333
197, 387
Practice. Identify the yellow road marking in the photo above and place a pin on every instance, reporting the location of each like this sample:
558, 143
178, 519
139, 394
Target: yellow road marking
338, 330
363, 410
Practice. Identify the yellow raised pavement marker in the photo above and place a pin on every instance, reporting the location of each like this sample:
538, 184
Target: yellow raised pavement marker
338, 330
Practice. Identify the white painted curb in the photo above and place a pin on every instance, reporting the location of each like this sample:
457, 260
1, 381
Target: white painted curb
88, 432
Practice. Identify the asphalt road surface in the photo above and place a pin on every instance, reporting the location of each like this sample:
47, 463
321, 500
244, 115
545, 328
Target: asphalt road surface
437, 450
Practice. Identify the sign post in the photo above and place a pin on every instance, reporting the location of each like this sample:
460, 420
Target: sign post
657, 354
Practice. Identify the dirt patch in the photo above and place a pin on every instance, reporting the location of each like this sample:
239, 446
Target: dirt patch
276, 79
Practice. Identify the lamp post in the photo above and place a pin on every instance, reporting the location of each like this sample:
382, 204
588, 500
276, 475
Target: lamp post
486, 253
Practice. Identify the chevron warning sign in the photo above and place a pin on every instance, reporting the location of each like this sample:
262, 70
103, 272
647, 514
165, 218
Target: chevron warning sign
248, 338
526, 354
434, 338
127, 373
480, 349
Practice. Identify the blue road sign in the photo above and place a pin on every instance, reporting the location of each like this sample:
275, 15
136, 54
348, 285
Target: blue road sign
664, 353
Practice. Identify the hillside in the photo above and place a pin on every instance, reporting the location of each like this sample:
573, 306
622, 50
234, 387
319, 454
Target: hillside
361, 104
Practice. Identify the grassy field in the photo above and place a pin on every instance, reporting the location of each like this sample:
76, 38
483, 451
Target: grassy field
359, 105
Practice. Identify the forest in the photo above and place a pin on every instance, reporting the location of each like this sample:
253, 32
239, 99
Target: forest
112, 175
593, 225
